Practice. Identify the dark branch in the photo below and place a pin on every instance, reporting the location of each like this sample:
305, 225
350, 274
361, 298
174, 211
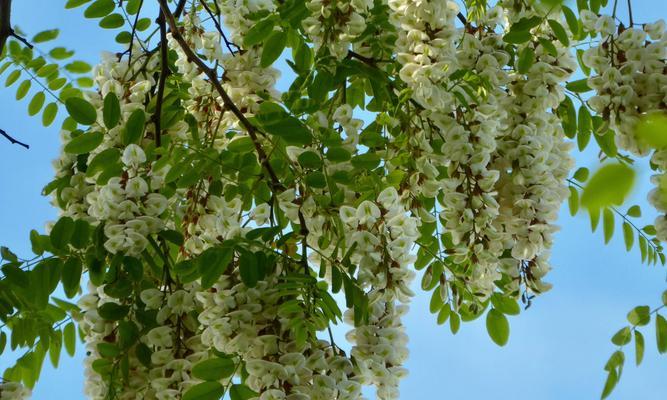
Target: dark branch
179, 8
164, 72
227, 101
12, 140
6, 30
134, 32
462, 18
228, 44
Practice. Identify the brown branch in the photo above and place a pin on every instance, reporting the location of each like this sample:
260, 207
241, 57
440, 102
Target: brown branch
134, 32
164, 73
12, 140
462, 18
228, 44
6, 30
227, 101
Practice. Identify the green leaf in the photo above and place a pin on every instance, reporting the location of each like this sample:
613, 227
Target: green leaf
71, 276
78, 67
559, 31
277, 122
45, 36
661, 333
316, 179
111, 110
112, 21
310, 159
81, 111
205, 391
273, 48
366, 161
23, 89
81, 235
99, 9
212, 263
639, 347
579, 86
581, 174
612, 380
69, 338
338, 154
112, 311
49, 113
505, 305
241, 392
443, 314
607, 224
634, 211
651, 130
622, 337
61, 233
259, 32
643, 247
571, 19
60, 53
497, 326
36, 103
241, 144
248, 269
84, 143
573, 201
549, 47
585, 128
12, 77
517, 36
628, 236
526, 60
214, 369
134, 127
640, 316
610, 185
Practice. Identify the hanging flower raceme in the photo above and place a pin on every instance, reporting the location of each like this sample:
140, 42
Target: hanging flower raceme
217, 212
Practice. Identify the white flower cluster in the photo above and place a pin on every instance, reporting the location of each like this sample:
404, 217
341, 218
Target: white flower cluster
13, 391
336, 24
534, 159
129, 205
505, 155
475, 154
630, 80
426, 48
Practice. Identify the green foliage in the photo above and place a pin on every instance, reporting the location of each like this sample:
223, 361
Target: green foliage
497, 326
608, 186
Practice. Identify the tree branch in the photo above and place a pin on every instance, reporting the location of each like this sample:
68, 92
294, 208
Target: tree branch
6, 30
164, 73
228, 44
12, 140
227, 101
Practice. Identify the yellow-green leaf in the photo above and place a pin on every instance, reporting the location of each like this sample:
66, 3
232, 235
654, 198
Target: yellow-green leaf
608, 224
498, 327
628, 236
610, 185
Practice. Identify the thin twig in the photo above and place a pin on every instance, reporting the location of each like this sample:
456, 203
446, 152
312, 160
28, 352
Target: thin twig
228, 44
227, 101
134, 32
12, 140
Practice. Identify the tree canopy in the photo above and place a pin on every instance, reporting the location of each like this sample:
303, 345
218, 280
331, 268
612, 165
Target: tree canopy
212, 227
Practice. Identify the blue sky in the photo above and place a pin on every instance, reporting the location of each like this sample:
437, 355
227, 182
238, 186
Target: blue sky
556, 350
